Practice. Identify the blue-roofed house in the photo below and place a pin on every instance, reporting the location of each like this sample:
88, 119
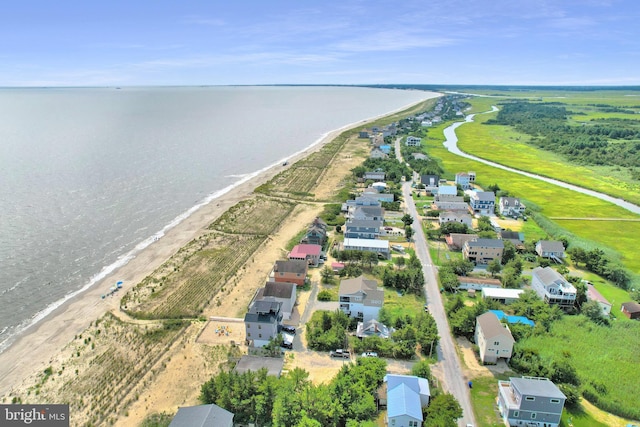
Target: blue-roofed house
386, 149
202, 415
406, 396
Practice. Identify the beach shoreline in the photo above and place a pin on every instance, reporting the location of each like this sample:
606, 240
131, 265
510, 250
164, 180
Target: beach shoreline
38, 346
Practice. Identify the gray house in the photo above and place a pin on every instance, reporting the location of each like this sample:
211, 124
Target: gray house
201, 416
530, 402
552, 249
552, 287
362, 229
261, 322
375, 176
366, 213
284, 293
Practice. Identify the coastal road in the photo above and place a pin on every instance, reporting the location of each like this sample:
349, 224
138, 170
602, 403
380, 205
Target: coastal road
454, 382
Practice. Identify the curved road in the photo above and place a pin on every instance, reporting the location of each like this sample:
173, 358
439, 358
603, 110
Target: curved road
454, 382
451, 145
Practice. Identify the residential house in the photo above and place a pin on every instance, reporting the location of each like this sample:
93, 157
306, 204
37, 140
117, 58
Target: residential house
472, 176
366, 213
316, 233
530, 402
515, 237
419, 156
513, 319
413, 141
364, 200
292, 271
261, 322
483, 202
374, 175
380, 186
456, 216
511, 206
477, 283
363, 228
494, 339
377, 153
406, 395
457, 240
363, 134
446, 191
376, 140
483, 251
337, 267
446, 205
376, 194
462, 179
631, 309
594, 295
360, 298
386, 149
552, 287
426, 123
306, 252
445, 199
503, 296
430, 180
284, 293
381, 247
373, 328
202, 416
552, 249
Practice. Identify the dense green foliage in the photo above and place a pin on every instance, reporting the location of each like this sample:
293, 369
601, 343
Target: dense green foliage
611, 141
327, 330
292, 400
157, 420
443, 411
596, 261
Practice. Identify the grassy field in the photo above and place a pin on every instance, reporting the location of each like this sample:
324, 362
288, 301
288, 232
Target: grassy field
401, 305
504, 145
600, 354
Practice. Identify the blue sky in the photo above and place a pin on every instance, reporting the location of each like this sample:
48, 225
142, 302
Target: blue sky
210, 42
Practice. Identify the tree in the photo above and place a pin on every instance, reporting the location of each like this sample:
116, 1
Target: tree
408, 232
577, 254
326, 274
592, 310
443, 411
422, 369
338, 229
494, 267
399, 261
407, 219
509, 252
510, 278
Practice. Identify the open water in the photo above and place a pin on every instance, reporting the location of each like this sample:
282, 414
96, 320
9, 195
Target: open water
91, 176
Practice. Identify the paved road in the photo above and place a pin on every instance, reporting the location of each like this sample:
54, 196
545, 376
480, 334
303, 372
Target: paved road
454, 382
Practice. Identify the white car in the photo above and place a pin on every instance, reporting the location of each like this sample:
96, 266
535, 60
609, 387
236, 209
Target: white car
369, 354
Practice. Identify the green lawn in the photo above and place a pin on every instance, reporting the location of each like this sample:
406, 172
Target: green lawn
613, 294
397, 305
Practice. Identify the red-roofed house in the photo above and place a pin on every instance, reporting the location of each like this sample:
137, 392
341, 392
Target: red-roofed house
306, 252
631, 309
594, 295
337, 266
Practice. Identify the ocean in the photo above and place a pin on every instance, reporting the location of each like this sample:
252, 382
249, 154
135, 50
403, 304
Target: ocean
91, 176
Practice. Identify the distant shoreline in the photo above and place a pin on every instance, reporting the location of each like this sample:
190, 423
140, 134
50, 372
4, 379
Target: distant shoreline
57, 328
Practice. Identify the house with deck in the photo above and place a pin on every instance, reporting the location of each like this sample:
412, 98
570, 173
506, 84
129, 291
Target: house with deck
493, 338
511, 206
363, 228
291, 271
483, 251
381, 247
413, 141
483, 202
262, 321
462, 179
530, 402
552, 287
284, 293
306, 252
552, 249
594, 295
457, 240
360, 298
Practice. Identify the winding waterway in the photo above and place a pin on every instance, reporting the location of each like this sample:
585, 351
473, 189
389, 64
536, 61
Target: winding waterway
451, 144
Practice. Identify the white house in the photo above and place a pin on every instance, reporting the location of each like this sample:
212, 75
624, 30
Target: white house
493, 338
380, 247
503, 296
552, 287
360, 298
413, 141
511, 206
456, 216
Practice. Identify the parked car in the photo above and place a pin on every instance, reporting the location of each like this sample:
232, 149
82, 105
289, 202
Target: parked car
289, 329
369, 354
288, 345
426, 308
388, 228
340, 353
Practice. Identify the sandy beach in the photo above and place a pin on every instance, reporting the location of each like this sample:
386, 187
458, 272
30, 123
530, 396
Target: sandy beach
41, 345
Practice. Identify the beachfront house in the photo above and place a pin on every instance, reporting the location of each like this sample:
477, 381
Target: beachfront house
202, 416
530, 402
360, 298
306, 252
261, 322
493, 338
552, 287
291, 271
284, 293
